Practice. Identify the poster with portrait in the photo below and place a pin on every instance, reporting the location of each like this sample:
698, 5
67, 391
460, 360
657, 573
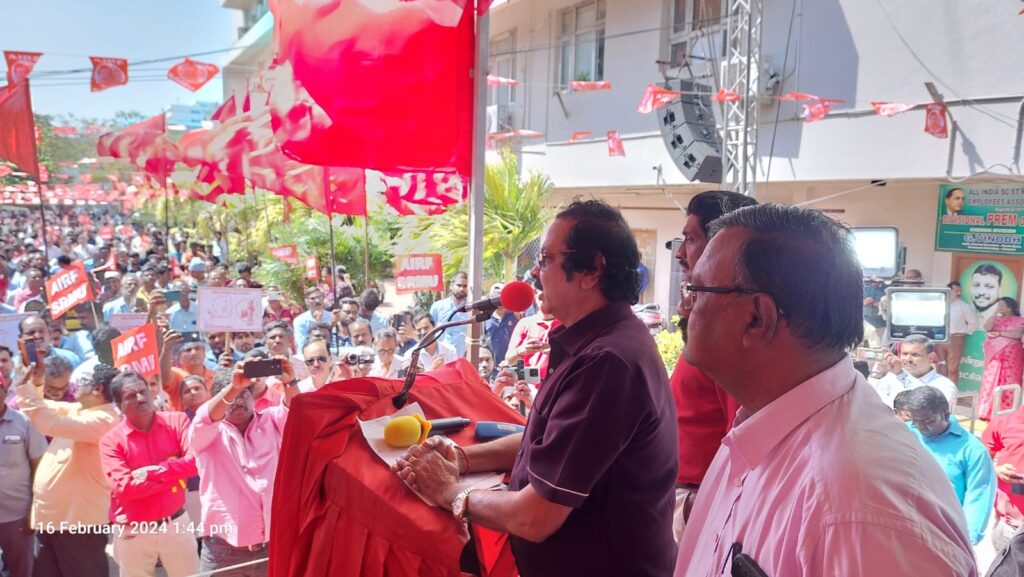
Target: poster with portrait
980, 218
984, 282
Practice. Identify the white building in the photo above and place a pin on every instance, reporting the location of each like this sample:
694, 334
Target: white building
844, 49
252, 48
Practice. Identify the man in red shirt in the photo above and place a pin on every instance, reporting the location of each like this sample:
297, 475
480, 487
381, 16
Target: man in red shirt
146, 460
1004, 439
704, 412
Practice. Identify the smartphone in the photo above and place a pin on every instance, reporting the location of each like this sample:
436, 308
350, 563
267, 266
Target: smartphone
28, 352
263, 368
743, 565
396, 321
173, 296
529, 374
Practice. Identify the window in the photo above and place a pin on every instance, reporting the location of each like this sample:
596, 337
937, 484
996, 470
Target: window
698, 27
502, 63
581, 43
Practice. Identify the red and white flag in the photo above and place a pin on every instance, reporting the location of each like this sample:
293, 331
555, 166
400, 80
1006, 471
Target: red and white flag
288, 254
67, 289
935, 120
816, 111
890, 108
20, 64
191, 74
577, 136
589, 85
108, 72
724, 95
312, 269
615, 147
655, 97
493, 80
798, 96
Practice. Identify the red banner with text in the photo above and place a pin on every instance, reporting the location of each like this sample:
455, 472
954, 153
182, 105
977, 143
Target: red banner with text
68, 288
136, 351
418, 272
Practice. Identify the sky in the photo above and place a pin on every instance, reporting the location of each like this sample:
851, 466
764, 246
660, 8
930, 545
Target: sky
67, 32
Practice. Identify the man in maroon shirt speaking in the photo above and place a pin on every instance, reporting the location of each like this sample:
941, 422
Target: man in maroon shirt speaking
704, 412
593, 475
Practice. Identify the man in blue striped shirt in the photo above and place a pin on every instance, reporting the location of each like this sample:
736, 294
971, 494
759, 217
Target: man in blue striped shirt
960, 454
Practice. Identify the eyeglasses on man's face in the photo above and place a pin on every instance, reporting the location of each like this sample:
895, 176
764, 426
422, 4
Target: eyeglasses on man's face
312, 361
545, 258
690, 291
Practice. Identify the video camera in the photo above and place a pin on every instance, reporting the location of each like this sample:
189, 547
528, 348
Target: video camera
357, 356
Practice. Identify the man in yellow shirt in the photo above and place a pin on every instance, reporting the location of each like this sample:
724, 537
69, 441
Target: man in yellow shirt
71, 496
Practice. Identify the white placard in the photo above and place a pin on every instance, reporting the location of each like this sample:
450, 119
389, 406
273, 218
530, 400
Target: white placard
127, 321
373, 432
230, 309
9, 330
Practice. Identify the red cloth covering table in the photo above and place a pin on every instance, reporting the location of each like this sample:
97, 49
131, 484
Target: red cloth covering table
339, 511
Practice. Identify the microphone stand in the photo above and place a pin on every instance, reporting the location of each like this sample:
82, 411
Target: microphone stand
402, 397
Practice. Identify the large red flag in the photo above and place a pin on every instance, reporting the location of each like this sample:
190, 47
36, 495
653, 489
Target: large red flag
17, 128
389, 84
108, 72
655, 97
20, 65
145, 144
192, 74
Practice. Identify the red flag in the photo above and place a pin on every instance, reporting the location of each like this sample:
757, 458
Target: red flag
615, 147
890, 108
359, 63
935, 120
655, 97
136, 351
65, 130
417, 193
192, 74
312, 269
20, 65
501, 81
816, 111
589, 86
17, 128
68, 288
724, 95
108, 72
577, 136
798, 96
288, 254
225, 110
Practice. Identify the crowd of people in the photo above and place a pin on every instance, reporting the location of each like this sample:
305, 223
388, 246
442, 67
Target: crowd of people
766, 448
121, 457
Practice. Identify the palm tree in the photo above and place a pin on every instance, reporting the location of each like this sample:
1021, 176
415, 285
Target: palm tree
514, 216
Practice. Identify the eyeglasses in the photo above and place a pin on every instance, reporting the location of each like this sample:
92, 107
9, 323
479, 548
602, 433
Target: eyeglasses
689, 292
385, 351
314, 360
544, 258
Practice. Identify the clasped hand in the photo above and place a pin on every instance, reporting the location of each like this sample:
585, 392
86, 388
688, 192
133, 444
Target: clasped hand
431, 469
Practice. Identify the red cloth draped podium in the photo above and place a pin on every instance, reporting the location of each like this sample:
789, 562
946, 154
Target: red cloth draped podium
339, 511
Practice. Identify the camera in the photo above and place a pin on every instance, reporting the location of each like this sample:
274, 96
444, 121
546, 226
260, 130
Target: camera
357, 356
529, 374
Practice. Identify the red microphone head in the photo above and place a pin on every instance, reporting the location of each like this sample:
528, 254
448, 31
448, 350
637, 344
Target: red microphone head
517, 296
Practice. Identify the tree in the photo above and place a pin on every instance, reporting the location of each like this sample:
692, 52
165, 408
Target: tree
515, 214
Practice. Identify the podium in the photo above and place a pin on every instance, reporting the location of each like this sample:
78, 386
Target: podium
339, 511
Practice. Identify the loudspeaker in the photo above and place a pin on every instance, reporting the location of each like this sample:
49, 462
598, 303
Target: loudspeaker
690, 132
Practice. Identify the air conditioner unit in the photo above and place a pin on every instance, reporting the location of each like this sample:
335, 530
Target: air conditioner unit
498, 119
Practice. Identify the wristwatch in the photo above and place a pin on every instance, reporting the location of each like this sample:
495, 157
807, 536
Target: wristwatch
460, 506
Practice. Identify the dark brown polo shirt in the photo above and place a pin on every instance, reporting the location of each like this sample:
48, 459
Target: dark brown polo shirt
602, 440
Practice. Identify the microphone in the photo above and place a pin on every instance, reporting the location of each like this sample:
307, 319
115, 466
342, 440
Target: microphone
517, 296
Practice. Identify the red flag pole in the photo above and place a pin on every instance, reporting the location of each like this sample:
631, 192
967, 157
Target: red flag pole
34, 171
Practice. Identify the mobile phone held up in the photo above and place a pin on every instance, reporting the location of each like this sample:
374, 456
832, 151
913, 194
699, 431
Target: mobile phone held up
28, 352
172, 296
257, 368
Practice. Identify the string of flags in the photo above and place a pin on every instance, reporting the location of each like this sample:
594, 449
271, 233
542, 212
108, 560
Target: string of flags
110, 72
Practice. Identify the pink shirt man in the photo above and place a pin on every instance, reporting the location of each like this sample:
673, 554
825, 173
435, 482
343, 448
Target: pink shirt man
825, 481
236, 473
161, 492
